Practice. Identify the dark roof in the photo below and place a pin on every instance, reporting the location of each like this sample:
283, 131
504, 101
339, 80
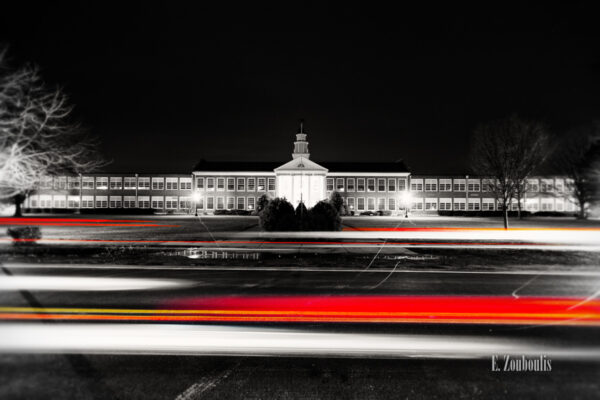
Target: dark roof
397, 166
230, 166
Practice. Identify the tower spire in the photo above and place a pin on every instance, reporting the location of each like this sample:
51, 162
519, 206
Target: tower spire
301, 145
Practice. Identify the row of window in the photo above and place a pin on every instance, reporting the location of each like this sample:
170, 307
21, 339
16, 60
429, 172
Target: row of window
431, 185
157, 202
365, 184
118, 183
456, 204
236, 184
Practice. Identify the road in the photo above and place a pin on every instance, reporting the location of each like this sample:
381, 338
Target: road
70, 355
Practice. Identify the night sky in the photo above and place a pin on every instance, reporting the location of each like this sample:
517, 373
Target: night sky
164, 86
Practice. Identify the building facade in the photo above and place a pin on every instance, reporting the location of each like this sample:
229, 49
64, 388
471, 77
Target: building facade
383, 188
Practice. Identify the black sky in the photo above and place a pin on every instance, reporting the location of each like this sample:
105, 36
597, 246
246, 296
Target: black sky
165, 85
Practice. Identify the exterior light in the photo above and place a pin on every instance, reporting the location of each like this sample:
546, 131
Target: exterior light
196, 196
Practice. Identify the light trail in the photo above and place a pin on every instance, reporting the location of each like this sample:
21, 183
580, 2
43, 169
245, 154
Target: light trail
341, 309
82, 283
259, 341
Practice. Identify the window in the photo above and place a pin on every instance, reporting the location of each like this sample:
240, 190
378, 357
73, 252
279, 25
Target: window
391, 185
129, 183
144, 201
350, 203
185, 183
391, 204
370, 185
241, 203
86, 202
87, 182
459, 185
460, 204
339, 184
60, 201
230, 203
116, 182
430, 204
115, 202
185, 203
210, 203
445, 204
546, 186
60, 183
158, 202
261, 184
559, 188
220, 184
101, 202
360, 187
33, 202
102, 183
199, 183
416, 185
371, 203
220, 203
533, 185
350, 184
360, 204
210, 184
144, 183
487, 186
381, 185
430, 186
73, 183
445, 186
417, 205
171, 202
487, 204
251, 201
241, 184
172, 184
129, 202
381, 204
271, 184
251, 184
401, 184
158, 184
473, 185
473, 205
329, 184
73, 202
200, 203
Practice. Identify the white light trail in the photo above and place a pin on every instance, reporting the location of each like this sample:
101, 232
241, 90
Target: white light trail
231, 340
76, 283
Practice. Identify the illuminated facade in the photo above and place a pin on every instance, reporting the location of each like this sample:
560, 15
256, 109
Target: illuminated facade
382, 187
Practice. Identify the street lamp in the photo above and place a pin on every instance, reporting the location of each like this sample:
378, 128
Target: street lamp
406, 199
196, 197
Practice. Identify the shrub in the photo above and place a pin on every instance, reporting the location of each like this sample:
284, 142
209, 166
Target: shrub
278, 215
337, 201
302, 217
324, 217
31, 233
262, 202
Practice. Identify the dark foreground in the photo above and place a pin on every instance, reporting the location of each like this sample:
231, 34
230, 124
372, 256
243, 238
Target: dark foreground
193, 371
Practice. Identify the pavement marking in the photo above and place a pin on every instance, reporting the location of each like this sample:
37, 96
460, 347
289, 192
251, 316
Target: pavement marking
296, 269
206, 383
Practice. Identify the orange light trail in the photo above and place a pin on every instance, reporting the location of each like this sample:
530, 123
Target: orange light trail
341, 309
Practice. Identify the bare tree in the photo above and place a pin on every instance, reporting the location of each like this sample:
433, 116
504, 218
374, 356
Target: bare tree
37, 137
507, 151
579, 160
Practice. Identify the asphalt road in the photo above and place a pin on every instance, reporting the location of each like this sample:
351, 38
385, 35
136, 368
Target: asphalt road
153, 358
